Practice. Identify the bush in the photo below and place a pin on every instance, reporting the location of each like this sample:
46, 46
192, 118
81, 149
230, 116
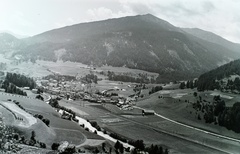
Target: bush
116, 136
55, 146
40, 117
42, 145
46, 121
195, 94
95, 125
16, 136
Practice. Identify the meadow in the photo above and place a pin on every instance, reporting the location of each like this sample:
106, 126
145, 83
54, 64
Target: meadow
176, 107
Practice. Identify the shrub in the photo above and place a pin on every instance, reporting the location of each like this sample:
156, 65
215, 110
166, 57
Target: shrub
55, 146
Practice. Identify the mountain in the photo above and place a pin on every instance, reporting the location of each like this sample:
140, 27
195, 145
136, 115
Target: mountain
225, 78
14, 34
211, 37
142, 42
8, 42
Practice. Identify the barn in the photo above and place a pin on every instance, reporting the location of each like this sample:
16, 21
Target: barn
148, 112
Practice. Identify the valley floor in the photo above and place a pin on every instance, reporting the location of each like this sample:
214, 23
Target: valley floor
153, 130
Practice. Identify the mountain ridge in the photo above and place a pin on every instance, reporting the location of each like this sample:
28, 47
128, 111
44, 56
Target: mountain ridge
141, 42
212, 37
14, 34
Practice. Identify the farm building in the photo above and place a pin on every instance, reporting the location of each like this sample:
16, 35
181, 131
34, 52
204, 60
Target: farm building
148, 112
34, 91
26, 88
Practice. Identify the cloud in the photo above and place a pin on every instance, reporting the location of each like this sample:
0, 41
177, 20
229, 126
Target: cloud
208, 6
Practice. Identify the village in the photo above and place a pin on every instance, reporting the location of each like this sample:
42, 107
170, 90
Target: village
76, 89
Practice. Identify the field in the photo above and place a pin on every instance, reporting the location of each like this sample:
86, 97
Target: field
121, 88
150, 136
28, 119
151, 129
30, 104
125, 70
183, 111
28, 69
43, 68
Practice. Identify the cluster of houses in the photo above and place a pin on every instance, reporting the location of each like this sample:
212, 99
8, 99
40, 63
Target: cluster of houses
80, 90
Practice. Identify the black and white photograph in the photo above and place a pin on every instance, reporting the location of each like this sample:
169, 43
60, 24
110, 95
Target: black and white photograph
119, 77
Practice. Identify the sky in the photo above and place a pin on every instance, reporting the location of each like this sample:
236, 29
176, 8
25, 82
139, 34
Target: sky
31, 17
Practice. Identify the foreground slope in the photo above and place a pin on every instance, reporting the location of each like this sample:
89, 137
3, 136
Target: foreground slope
58, 130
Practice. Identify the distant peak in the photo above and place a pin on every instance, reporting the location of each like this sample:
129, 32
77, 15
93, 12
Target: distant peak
9, 33
148, 15
7, 36
4, 34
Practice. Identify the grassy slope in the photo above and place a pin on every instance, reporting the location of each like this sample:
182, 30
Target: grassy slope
180, 110
59, 128
125, 127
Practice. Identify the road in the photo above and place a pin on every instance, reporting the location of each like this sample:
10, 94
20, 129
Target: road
195, 128
191, 127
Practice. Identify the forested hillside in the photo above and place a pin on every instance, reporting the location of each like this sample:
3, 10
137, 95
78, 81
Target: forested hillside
13, 81
223, 78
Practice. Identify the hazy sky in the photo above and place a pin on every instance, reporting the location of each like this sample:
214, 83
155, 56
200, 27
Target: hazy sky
31, 17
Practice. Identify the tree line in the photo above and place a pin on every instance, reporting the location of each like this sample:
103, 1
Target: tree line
11, 88
218, 113
90, 78
189, 84
155, 89
20, 80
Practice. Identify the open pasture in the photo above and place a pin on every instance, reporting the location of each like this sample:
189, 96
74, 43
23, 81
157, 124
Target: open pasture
29, 103
72, 136
86, 110
180, 110
150, 136
125, 70
122, 88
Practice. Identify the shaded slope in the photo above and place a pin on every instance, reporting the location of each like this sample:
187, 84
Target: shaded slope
210, 79
211, 37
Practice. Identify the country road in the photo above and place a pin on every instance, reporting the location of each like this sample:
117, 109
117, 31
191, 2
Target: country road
195, 128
